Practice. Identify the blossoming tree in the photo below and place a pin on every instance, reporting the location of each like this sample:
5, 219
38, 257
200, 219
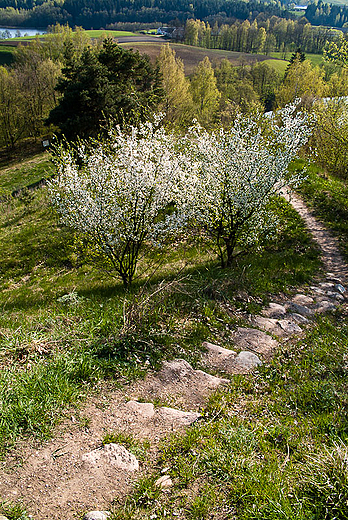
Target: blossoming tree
143, 187
240, 170
123, 195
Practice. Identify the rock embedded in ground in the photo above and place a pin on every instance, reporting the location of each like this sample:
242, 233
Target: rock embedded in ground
94, 515
274, 310
317, 290
217, 357
176, 417
332, 278
144, 410
180, 370
245, 362
217, 353
298, 318
302, 299
112, 455
2, 517
164, 482
325, 306
281, 327
339, 287
327, 285
255, 340
335, 296
300, 309
175, 370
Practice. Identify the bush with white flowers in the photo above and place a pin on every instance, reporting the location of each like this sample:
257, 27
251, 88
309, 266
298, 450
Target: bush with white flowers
240, 170
141, 188
124, 195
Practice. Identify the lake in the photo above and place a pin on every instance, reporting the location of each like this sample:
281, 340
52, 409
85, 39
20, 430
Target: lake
5, 32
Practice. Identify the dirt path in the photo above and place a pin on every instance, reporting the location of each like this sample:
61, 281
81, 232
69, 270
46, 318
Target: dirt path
74, 472
333, 261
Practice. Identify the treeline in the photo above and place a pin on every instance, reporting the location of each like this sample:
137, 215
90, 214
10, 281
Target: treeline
100, 13
28, 87
327, 14
33, 90
261, 36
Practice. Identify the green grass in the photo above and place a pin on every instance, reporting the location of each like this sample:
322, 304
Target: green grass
328, 197
277, 65
113, 34
315, 59
6, 54
62, 321
25, 173
272, 446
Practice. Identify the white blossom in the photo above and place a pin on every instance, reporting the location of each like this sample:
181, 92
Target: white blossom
128, 192
240, 170
143, 187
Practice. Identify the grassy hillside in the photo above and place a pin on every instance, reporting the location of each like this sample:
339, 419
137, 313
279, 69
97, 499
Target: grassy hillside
328, 197
25, 173
315, 59
61, 325
270, 446
278, 65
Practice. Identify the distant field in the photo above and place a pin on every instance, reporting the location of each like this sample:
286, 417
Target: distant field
315, 59
278, 65
92, 34
191, 56
114, 34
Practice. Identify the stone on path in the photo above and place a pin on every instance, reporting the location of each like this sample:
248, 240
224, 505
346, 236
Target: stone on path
94, 515
300, 309
317, 290
216, 355
144, 410
274, 310
325, 306
339, 287
298, 318
280, 328
327, 285
181, 370
245, 362
255, 340
302, 299
112, 455
177, 417
332, 278
335, 296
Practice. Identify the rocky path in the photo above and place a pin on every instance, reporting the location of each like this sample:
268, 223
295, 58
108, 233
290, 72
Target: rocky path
75, 472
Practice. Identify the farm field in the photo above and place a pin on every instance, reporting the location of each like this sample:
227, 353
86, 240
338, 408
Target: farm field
191, 56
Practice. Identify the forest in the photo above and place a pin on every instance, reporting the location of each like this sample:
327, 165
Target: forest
263, 35
31, 87
103, 12
100, 13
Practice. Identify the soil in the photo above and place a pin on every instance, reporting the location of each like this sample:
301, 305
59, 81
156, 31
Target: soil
58, 479
190, 55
